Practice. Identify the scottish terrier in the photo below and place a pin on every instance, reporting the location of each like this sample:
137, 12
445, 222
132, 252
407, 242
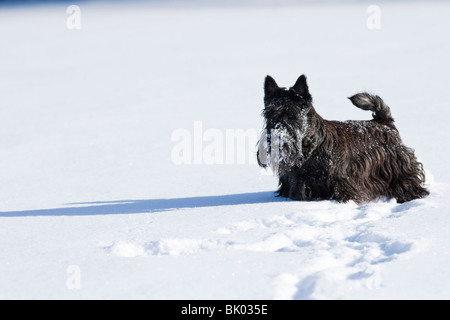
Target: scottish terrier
318, 159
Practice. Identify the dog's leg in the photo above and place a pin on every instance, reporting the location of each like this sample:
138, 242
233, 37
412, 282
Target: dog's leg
407, 189
410, 182
283, 187
292, 186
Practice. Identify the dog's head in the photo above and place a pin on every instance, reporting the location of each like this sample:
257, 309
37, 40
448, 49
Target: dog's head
285, 106
286, 123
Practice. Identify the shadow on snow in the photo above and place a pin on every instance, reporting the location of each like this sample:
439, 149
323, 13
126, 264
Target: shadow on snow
147, 206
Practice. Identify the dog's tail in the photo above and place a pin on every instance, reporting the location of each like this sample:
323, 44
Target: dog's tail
380, 110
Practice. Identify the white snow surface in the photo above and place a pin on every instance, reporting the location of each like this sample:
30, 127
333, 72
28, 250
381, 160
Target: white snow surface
92, 205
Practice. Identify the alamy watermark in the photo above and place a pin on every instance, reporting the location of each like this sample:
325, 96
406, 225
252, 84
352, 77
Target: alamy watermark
73, 281
214, 146
373, 21
73, 21
374, 280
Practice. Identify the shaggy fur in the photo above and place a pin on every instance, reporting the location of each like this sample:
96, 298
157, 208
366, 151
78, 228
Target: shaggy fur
319, 159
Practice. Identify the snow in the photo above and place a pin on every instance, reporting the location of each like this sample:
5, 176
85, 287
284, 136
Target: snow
93, 205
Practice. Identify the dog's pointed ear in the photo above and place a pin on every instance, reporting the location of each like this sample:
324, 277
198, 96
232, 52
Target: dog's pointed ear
301, 87
270, 87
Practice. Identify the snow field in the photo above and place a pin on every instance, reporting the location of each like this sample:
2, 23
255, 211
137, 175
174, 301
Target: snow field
92, 206
339, 246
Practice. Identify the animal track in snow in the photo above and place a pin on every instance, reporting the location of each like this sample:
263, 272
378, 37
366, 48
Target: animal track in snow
338, 245
341, 245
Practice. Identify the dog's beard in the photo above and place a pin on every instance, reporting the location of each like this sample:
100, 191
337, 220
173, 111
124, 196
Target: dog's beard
281, 148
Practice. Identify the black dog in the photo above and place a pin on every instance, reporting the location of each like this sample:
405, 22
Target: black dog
319, 159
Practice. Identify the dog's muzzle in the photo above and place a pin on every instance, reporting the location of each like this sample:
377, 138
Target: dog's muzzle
278, 148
